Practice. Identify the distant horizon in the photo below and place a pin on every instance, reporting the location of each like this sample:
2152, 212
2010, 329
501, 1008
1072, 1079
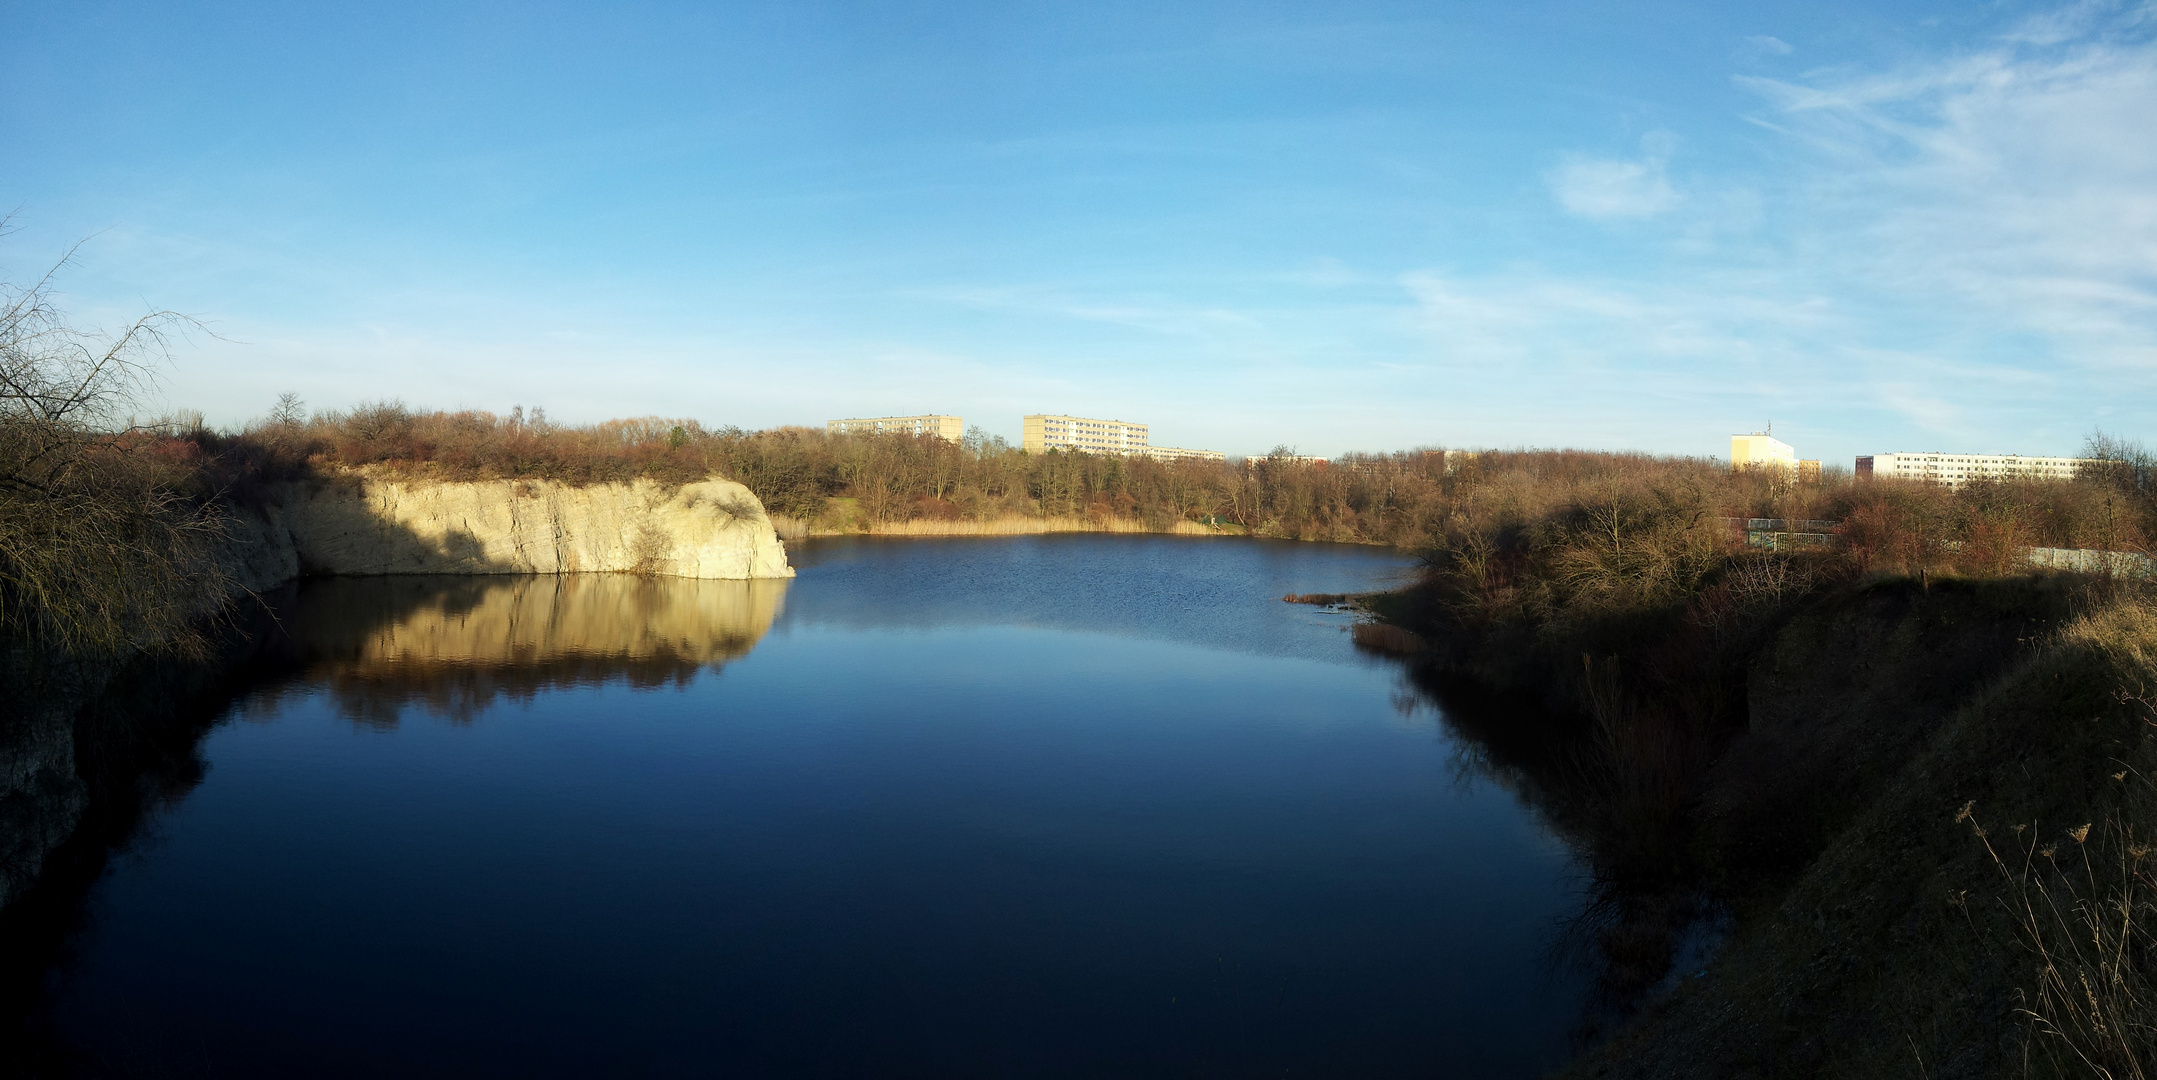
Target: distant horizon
1365, 225
1014, 440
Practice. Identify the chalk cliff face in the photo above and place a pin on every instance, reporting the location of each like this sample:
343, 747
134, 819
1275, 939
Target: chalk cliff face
355, 525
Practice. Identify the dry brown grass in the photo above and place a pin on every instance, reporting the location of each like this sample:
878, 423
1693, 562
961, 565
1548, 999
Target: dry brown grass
2084, 900
2084, 908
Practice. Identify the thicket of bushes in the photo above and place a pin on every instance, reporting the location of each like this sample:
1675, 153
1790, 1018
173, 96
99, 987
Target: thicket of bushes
108, 532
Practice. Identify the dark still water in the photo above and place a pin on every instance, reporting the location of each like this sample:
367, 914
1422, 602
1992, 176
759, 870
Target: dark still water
1078, 806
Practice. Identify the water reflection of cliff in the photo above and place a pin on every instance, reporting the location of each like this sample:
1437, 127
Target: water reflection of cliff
455, 646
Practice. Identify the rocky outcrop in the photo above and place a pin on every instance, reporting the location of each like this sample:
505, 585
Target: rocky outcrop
359, 525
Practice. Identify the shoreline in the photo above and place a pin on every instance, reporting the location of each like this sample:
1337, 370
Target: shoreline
791, 528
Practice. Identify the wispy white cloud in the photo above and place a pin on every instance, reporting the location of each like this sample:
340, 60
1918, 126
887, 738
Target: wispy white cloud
1764, 43
1608, 188
1959, 250
2017, 185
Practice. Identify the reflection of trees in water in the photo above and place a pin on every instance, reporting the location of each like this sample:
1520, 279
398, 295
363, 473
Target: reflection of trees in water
1613, 788
456, 646
378, 695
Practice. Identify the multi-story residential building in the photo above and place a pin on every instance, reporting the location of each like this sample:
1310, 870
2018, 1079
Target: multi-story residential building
1760, 450
1954, 470
946, 427
1044, 433
1177, 453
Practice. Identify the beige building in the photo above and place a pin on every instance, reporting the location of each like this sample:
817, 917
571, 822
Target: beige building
945, 427
1044, 433
1177, 453
1760, 450
1956, 469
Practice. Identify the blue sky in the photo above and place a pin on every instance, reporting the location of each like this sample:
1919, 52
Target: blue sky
1335, 226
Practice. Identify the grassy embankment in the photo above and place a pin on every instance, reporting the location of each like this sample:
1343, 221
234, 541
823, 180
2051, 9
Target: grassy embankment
1807, 742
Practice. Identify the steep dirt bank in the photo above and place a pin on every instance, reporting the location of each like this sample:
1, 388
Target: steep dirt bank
1900, 946
1871, 931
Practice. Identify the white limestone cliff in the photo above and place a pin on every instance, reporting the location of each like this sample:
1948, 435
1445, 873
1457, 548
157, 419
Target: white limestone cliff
360, 525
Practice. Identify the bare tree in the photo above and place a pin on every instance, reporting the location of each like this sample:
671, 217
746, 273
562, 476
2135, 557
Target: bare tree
289, 410
102, 547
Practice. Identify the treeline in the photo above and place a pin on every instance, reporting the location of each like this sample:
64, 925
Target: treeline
1562, 538
861, 481
1537, 533
1495, 521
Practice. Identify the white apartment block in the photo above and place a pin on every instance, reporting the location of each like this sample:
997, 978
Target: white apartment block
945, 427
1044, 433
1956, 469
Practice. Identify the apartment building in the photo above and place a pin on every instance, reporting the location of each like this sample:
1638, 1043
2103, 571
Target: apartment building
1956, 469
1760, 450
1043, 433
945, 427
1177, 453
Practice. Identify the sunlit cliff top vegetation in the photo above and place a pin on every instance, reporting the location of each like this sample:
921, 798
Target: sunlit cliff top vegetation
1468, 504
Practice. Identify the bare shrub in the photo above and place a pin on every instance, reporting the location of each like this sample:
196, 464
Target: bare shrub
106, 542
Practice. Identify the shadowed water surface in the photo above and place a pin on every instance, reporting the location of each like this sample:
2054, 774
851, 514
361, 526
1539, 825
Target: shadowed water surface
1062, 806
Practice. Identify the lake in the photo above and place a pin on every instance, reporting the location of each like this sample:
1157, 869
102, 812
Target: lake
1060, 806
